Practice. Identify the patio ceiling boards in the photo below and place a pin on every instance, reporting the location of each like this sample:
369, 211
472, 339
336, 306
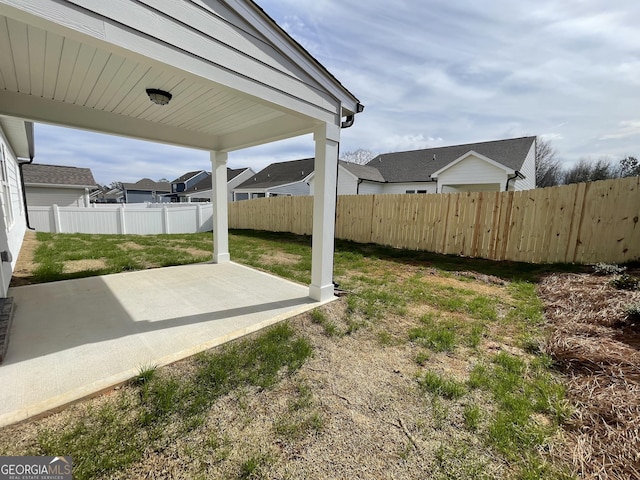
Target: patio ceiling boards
236, 80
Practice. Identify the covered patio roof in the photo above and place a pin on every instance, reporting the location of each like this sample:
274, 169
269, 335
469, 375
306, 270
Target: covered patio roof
236, 79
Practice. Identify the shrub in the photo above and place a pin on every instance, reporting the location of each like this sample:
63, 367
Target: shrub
608, 269
633, 311
625, 282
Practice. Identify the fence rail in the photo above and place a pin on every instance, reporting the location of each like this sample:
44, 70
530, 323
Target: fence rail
581, 223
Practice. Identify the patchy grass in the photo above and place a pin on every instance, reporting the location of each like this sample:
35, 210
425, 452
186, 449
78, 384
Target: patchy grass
162, 408
118, 253
430, 363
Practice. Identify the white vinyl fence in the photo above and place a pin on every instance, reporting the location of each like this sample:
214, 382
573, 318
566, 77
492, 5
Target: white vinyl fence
139, 219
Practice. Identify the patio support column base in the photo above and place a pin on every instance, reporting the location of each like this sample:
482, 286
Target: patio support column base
327, 139
220, 213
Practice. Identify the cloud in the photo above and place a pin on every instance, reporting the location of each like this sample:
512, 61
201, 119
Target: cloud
436, 73
628, 128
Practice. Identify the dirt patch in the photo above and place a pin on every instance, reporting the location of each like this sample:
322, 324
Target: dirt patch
25, 264
195, 252
73, 266
595, 342
280, 258
476, 287
131, 246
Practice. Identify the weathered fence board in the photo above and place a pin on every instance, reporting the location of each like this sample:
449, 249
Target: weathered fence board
581, 223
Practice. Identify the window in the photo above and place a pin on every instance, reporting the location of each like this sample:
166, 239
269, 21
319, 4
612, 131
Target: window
422, 191
410, 191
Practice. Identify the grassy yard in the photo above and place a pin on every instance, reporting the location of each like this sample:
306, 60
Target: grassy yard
429, 367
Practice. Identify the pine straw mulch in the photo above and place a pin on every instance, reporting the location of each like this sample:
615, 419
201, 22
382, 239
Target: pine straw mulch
598, 346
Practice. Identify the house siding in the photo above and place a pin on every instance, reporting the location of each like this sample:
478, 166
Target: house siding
430, 187
472, 171
528, 170
472, 187
137, 196
234, 182
293, 189
347, 183
13, 224
370, 188
47, 196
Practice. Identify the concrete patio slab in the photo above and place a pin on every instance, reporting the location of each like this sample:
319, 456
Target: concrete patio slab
74, 338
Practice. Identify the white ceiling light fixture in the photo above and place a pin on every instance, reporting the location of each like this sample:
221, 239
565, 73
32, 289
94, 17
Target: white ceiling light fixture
159, 97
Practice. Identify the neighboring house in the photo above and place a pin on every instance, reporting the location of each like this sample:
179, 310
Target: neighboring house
16, 141
278, 179
146, 190
201, 192
107, 194
47, 185
184, 183
494, 166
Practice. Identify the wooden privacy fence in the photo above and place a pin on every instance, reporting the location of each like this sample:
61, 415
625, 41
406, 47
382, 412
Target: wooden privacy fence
580, 223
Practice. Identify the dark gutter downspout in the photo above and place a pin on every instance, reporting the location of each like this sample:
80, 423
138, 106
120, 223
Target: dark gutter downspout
515, 175
29, 128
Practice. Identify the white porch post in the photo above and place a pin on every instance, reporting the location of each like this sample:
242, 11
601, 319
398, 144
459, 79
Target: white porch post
220, 213
327, 139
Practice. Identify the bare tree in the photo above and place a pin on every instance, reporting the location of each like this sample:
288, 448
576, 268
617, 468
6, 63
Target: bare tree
629, 167
359, 156
548, 168
589, 171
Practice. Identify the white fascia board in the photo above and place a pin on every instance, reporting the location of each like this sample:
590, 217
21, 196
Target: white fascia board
475, 154
250, 190
199, 193
260, 20
55, 185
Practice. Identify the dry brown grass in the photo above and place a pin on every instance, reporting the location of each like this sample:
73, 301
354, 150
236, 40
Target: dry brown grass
598, 347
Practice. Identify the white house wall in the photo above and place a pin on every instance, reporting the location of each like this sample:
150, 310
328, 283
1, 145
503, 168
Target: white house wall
347, 183
473, 187
13, 225
430, 187
47, 196
472, 170
528, 170
237, 180
370, 188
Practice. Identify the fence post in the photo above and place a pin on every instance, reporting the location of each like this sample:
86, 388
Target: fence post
123, 229
198, 217
165, 219
56, 219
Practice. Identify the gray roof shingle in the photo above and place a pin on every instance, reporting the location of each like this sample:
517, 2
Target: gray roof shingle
205, 183
280, 173
35, 173
418, 165
187, 176
146, 184
363, 172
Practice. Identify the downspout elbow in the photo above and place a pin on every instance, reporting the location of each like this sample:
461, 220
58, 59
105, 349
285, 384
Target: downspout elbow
517, 174
350, 119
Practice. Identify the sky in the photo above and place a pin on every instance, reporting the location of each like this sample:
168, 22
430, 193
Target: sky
432, 74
